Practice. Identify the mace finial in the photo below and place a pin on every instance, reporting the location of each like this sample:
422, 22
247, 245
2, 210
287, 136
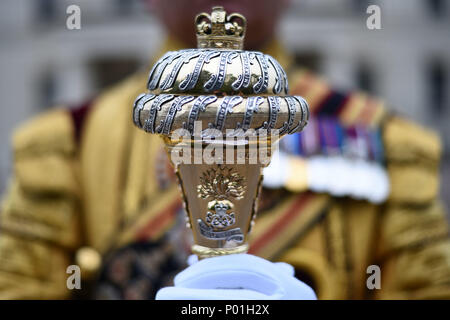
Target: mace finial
219, 30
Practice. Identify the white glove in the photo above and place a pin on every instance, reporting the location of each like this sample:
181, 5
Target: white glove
237, 277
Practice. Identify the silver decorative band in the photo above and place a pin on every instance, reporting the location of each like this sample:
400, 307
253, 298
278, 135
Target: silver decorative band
199, 106
166, 124
305, 114
235, 234
252, 107
157, 113
149, 125
226, 107
252, 72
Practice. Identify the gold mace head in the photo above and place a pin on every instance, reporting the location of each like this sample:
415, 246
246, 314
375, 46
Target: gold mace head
220, 110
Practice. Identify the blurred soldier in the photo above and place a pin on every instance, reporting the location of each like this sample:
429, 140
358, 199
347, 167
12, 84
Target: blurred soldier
92, 190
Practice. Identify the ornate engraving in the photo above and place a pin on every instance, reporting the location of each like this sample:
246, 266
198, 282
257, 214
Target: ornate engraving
199, 106
227, 105
243, 79
305, 110
220, 215
159, 67
274, 107
149, 125
166, 125
216, 81
185, 58
281, 79
252, 107
287, 126
235, 234
139, 105
221, 184
305, 114
263, 81
192, 78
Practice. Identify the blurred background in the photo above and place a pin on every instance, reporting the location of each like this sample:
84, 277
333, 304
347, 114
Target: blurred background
407, 62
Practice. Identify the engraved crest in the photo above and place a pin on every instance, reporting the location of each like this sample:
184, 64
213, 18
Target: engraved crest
220, 215
221, 183
231, 235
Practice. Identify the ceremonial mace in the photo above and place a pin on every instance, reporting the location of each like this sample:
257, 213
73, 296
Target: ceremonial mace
220, 110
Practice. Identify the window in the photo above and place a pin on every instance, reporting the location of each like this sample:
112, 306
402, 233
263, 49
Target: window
47, 89
437, 81
125, 7
365, 79
360, 6
108, 71
46, 10
309, 60
436, 7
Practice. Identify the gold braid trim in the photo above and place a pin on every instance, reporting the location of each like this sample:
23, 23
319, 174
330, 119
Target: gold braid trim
205, 252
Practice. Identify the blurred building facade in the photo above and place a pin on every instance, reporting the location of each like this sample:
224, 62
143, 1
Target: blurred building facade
43, 64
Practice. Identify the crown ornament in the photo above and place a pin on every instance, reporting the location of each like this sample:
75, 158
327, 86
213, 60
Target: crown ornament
226, 103
219, 30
